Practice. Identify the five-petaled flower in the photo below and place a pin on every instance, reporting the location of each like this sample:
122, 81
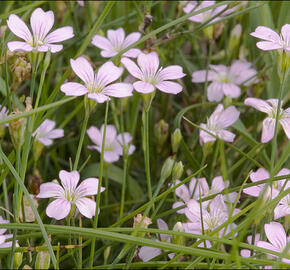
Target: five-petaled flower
46, 132
270, 107
226, 80
150, 76
273, 41
69, 194
217, 123
98, 87
277, 238
113, 142
116, 42
41, 23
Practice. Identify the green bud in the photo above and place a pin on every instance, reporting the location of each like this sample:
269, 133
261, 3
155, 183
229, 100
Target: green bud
207, 148
235, 37
161, 133
178, 239
17, 258
177, 170
175, 140
42, 260
167, 168
208, 31
37, 150
107, 254
283, 64
147, 100
16, 130
47, 60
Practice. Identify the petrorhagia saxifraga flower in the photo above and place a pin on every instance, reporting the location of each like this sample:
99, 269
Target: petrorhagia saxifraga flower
69, 195
41, 23
98, 87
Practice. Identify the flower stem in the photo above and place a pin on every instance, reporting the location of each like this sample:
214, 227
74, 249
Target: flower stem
99, 187
145, 121
125, 165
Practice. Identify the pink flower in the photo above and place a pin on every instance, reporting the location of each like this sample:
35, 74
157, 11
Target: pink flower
81, 3
151, 76
206, 15
46, 132
277, 238
3, 242
41, 23
256, 191
246, 253
69, 194
217, 123
283, 207
272, 40
98, 87
270, 107
113, 142
212, 218
116, 42
3, 114
226, 80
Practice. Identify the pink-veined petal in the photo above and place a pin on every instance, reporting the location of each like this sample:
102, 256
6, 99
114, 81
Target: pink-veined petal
124, 138
148, 253
132, 68
58, 209
192, 211
285, 122
60, 34
215, 92
130, 39
69, 180
259, 175
200, 76
86, 206
276, 234
98, 97
18, 27
55, 134
231, 90
143, 87
41, 22
89, 187
82, 67
218, 184
268, 129
268, 45
281, 211
285, 31
95, 135
162, 225
19, 46
102, 43
252, 191
118, 90
108, 73
116, 37
171, 73
265, 33
111, 133
258, 104
178, 204
110, 156
108, 54
48, 190
73, 89
229, 116
169, 87
45, 141
148, 63
133, 53
182, 192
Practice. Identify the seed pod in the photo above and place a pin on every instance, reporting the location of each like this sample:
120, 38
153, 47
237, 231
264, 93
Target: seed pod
167, 168
17, 261
177, 170
175, 140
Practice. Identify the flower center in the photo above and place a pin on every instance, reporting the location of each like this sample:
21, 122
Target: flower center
284, 42
70, 195
223, 77
94, 88
36, 42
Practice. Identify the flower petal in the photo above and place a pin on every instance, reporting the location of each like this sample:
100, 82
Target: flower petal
130, 39
132, 68
268, 45
82, 67
118, 90
98, 97
60, 34
18, 27
102, 43
169, 87
285, 31
265, 33
192, 211
19, 46
268, 129
285, 122
86, 206
178, 204
162, 225
111, 156
229, 116
276, 235
55, 134
148, 63
48, 190
143, 87
69, 180
73, 89
132, 53
108, 73
148, 253
41, 22
182, 192
111, 133
108, 54
259, 175
215, 92
200, 76
231, 90
89, 187
218, 184
95, 135
58, 209
116, 37
252, 191
267, 245
281, 211
171, 73
258, 104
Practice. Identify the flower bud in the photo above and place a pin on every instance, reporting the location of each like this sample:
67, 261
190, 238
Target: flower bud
161, 133
17, 261
29, 215
21, 71
17, 130
283, 64
42, 260
175, 140
178, 239
107, 252
177, 170
167, 168
145, 223
235, 37
37, 150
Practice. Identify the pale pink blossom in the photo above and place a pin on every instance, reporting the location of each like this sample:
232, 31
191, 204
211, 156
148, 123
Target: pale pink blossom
99, 87
277, 238
150, 76
113, 142
212, 217
81, 3
68, 194
41, 23
46, 132
273, 41
283, 207
270, 107
3, 114
246, 253
217, 123
116, 42
3, 237
226, 80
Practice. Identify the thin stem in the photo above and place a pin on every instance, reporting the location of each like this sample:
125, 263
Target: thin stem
99, 186
145, 121
80, 264
125, 165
